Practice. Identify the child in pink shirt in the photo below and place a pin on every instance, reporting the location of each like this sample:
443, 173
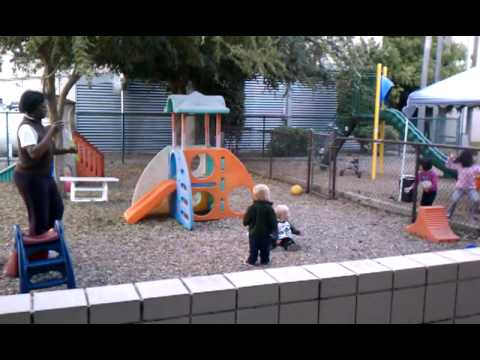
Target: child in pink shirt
428, 180
467, 172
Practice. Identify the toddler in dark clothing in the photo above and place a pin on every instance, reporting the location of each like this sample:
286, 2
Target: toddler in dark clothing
285, 230
262, 223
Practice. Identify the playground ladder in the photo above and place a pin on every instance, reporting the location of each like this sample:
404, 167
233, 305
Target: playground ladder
90, 161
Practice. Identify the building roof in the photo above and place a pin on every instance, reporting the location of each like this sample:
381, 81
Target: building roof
196, 103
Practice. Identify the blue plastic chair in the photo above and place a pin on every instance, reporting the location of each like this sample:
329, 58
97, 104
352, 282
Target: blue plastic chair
28, 246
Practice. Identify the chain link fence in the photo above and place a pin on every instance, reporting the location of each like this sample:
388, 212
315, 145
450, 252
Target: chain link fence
322, 164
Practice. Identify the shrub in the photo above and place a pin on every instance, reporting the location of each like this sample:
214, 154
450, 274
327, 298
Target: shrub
367, 132
288, 141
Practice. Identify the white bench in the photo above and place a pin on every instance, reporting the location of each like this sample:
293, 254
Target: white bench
74, 187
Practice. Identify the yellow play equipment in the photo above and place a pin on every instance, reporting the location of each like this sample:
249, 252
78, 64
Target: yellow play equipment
382, 86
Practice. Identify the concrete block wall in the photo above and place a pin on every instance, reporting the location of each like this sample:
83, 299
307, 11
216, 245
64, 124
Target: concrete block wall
437, 287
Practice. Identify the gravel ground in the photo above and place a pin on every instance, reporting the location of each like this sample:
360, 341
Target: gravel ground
384, 188
106, 250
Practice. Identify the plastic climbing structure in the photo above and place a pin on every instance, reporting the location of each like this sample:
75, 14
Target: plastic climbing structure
187, 181
90, 160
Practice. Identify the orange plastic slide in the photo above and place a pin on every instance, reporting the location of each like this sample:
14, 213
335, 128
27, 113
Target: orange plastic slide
148, 202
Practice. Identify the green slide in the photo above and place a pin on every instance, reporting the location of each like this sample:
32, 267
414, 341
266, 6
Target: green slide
396, 119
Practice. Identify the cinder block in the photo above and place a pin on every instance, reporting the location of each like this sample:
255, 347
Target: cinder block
259, 315
468, 320
338, 310
374, 308
468, 263
217, 318
182, 320
299, 313
113, 304
296, 284
164, 299
60, 307
254, 288
210, 294
15, 309
468, 298
406, 272
439, 268
335, 280
372, 276
408, 305
439, 302
475, 251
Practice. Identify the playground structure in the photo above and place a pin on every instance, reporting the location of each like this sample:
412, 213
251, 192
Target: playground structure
33, 259
432, 225
187, 181
431, 222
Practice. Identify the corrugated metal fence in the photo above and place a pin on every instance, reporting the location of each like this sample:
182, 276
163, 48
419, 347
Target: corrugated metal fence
147, 129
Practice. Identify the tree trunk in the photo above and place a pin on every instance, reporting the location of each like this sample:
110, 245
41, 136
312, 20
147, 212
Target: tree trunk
438, 68
424, 80
56, 108
475, 51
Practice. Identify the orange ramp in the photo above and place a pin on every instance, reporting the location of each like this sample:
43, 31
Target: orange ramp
432, 225
147, 204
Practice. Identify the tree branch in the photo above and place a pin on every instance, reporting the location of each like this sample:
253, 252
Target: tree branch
72, 79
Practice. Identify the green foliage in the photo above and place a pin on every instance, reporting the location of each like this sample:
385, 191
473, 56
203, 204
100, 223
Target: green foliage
288, 141
211, 64
367, 132
221, 64
403, 55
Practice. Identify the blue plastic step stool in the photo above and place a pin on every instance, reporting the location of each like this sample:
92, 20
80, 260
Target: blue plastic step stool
28, 267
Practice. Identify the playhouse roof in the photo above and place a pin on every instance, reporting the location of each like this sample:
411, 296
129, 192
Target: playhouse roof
196, 103
458, 90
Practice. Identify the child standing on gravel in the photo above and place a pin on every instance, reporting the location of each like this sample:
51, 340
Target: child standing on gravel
467, 172
262, 223
286, 230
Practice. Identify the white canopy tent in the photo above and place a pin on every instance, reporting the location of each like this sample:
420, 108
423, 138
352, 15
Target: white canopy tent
461, 90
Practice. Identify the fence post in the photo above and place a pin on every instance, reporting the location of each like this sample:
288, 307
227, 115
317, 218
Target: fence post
415, 188
123, 137
309, 161
332, 168
263, 137
7, 148
270, 160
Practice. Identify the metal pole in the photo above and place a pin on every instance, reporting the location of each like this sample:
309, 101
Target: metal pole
270, 163
332, 166
424, 80
309, 161
415, 188
263, 137
7, 148
123, 138
405, 137
123, 126
381, 146
376, 120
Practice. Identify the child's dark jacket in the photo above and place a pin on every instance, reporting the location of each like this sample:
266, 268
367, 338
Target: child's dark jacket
260, 219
